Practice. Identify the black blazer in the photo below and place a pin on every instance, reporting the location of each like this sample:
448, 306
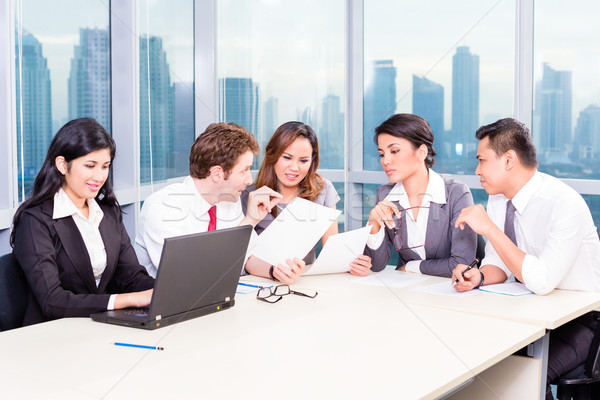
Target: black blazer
58, 269
449, 246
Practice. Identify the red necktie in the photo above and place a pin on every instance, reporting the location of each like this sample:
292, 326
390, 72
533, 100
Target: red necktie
212, 224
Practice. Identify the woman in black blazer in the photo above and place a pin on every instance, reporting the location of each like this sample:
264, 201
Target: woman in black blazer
68, 236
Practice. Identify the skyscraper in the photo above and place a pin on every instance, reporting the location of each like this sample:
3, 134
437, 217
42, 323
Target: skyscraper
89, 79
587, 134
239, 100
554, 106
269, 126
156, 112
379, 105
331, 133
34, 112
428, 103
465, 101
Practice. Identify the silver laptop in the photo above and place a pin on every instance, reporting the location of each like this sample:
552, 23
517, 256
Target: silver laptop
197, 275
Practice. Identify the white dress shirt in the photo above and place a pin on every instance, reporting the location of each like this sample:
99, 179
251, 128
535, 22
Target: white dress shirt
554, 227
416, 230
89, 230
176, 210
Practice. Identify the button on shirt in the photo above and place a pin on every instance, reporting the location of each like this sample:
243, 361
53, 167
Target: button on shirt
176, 210
554, 227
89, 230
415, 230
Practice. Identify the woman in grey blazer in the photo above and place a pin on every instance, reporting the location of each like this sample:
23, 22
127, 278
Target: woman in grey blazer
415, 213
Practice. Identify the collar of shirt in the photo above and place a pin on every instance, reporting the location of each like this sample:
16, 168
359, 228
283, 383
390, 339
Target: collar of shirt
526, 193
64, 207
436, 192
200, 206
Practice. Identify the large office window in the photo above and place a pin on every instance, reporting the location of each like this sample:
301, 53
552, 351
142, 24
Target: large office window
566, 107
62, 68
453, 67
166, 88
281, 62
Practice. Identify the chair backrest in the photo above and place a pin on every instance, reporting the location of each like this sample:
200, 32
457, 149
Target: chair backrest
592, 364
480, 253
13, 293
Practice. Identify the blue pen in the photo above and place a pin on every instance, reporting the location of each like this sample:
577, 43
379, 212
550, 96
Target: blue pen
249, 285
139, 346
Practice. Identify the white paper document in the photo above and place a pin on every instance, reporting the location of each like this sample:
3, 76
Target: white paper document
391, 279
444, 289
339, 251
294, 232
509, 289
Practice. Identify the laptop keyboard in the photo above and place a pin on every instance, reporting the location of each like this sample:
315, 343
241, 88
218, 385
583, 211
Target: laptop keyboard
137, 312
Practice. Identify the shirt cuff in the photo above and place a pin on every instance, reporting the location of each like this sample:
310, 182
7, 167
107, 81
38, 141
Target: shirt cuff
111, 302
413, 266
376, 239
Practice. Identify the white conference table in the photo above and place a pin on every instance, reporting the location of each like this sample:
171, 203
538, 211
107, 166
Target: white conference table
351, 341
549, 311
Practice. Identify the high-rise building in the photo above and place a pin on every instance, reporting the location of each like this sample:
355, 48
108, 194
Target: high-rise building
465, 101
428, 103
34, 111
331, 133
269, 126
89, 79
587, 134
183, 126
239, 100
554, 106
156, 112
379, 105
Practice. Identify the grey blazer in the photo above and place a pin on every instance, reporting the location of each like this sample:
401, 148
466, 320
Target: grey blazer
449, 246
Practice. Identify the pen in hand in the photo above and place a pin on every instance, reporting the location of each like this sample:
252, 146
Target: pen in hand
471, 266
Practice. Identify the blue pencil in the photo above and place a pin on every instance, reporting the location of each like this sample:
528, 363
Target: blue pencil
140, 346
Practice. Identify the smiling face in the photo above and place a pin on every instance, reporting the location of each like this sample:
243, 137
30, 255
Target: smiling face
491, 168
398, 157
238, 178
293, 164
85, 176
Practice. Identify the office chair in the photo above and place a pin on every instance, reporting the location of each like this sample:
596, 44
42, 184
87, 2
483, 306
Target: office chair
583, 382
13, 293
480, 252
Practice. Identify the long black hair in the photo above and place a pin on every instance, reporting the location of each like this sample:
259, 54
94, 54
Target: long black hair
75, 139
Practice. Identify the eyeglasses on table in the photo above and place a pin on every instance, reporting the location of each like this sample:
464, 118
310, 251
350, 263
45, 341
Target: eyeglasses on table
273, 295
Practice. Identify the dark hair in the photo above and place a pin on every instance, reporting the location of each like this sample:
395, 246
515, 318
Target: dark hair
220, 144
75, 139
509, 134
312, 184
412, 128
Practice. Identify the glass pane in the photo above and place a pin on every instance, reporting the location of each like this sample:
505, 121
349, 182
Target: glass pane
566, 117
166, 88
62, 63
453, 67
279, 63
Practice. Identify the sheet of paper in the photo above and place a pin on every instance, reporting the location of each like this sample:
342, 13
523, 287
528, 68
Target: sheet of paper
509, 289
251, 286
294, 232
339, 251
391, 279
445, 289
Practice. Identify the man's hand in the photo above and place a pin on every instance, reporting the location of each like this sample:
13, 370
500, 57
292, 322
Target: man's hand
470, 280
477, 218
260, 203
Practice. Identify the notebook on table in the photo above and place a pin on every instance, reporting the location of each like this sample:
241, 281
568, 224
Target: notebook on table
197, 275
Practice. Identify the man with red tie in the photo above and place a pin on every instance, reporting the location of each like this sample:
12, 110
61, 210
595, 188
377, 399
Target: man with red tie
540, 231
209, 199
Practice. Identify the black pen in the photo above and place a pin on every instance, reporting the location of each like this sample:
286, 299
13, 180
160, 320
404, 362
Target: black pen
471, 266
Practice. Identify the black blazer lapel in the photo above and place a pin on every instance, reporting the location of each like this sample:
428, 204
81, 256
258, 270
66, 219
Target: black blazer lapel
75, 249
436, 229
112, 240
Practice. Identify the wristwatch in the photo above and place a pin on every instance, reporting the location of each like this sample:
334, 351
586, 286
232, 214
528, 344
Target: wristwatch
481, 281
271, 272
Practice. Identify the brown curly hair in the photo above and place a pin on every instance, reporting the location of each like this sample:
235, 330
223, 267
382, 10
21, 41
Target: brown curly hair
220, 144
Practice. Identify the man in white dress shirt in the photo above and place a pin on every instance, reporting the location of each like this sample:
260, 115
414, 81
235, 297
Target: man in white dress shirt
220, 162
540, 231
